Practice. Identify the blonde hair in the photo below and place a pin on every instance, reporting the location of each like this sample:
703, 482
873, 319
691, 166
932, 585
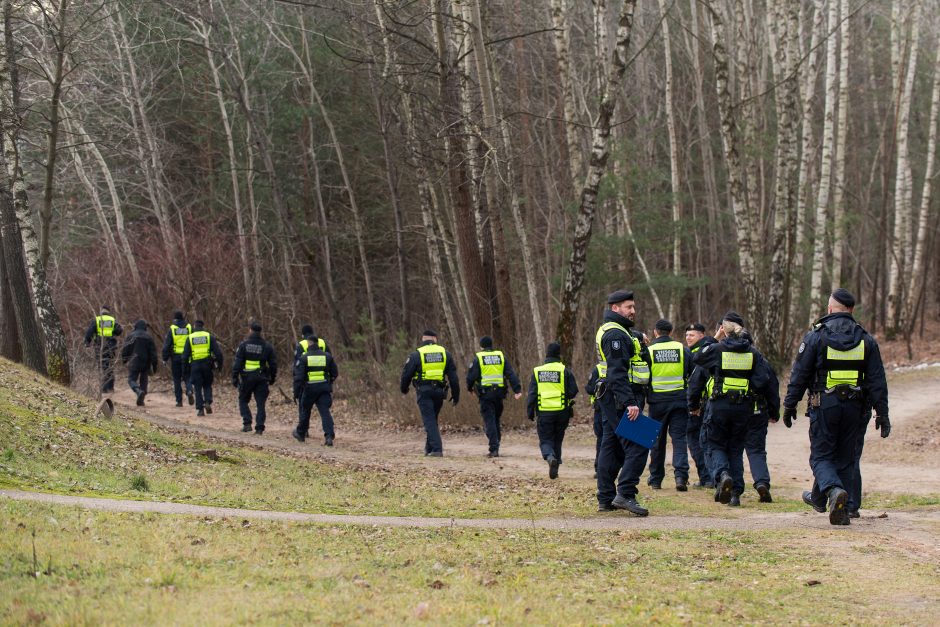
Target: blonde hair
732, 329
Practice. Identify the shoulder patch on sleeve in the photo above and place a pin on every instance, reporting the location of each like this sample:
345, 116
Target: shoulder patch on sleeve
615, 345
802, 347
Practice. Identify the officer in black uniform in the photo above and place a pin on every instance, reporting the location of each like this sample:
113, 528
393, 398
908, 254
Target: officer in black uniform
840, 364
670, 367
431, 369
551, 396
306, 332
741, 377
200, 352
140, 355
314, 373
755, 445
597, 372
696, 340
173, 345
486, 377
104, 331
620, 390
255, 368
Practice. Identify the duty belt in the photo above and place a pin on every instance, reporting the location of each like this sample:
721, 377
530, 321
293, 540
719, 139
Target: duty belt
734, 396
846, 392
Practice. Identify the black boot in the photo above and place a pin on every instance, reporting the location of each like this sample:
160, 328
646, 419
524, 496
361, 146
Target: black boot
246, 428
735, 500
838, 510
190, 398
808, 499
630, 505
723, 491
764, 491
552, 467
140, 398
297, 435
200, 412
328, 440
682, 485
209, 408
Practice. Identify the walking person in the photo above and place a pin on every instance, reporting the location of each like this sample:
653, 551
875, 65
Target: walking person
140, 355
173, 345
103, 332
254, 369
200, 353
670, 367
431, 370
487, 377
551, 395
314, 374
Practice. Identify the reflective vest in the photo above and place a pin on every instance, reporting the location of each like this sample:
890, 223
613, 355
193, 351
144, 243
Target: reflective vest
550, 383
735, 372
199, 344
639, 370
667, 374
105, 325
433, 362
316, 368
844, 367
179, 337
305, 344
492, 364
601, 374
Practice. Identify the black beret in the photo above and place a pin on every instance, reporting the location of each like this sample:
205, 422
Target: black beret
105, 308
619, 296
178, 315
663, 326
553, 350
695, 326
486, 342
198, 323
255, 326
429, 333
140, 324
844, 297
306, 330
733, 316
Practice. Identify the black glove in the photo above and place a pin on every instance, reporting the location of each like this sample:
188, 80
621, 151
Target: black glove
532, 418
789, 415
235, 380
882, 422
271, 381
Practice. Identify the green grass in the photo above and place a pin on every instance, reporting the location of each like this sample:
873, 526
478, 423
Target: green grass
140, 568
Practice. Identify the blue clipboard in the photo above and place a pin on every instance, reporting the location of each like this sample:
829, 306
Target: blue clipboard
644, 430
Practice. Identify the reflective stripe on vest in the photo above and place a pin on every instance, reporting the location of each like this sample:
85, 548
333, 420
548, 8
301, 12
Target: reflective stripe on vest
316, 368
550, 384
667, 374
179, 337
251, 365
850, 364
305, 344
639, 370
105, 325
199, 343
601, 374
492, 364
738, 367
433, 362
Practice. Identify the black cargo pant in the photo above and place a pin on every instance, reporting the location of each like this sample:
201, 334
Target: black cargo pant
430, 401
106, 364
200, 379
491, 408
138, 377
834, 429
674, 416
551, 429
323, 400
621, 462
256, 385
177, 367
727, 433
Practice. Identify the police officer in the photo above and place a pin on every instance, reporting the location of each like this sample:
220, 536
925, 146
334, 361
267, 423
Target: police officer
741, 377
551, 396
486, 377
306, 333
200, 352
431, 370
696, 340
173, 345
670, 367
755, 446
140, 355
103, 331
620, 390
314, 373
840, 364
255, 368
597, 373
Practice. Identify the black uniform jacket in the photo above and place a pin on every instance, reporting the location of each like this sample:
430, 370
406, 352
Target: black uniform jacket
473, 376
532, 400
413, 366
301, 369
256, 348
140, 350
763, 380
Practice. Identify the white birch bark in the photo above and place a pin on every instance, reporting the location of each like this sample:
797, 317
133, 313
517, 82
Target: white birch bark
838, 192
673, 159
562, 41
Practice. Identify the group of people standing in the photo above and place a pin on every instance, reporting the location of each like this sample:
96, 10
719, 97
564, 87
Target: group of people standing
713, 396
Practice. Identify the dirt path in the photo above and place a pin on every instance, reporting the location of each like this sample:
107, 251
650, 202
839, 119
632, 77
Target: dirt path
788, 449
920, 528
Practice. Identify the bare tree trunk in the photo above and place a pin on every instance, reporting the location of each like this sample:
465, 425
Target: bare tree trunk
562, 40
600, 153
838, 196
825, 170
9, 335
903, 205
53, 349
673, 162
52, 138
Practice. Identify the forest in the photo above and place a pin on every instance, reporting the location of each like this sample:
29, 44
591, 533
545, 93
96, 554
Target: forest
378, 167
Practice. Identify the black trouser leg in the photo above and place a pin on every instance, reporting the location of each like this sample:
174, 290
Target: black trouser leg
430, 401
490, 409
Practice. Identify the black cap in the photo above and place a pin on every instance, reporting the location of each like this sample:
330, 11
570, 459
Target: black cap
105, 308
140, 325
733, 316
695, 326
306, 330
255, 326
486, 342
844, 297
553, 350
663, 326
429, 333
198, 323
178, 315
619, 296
